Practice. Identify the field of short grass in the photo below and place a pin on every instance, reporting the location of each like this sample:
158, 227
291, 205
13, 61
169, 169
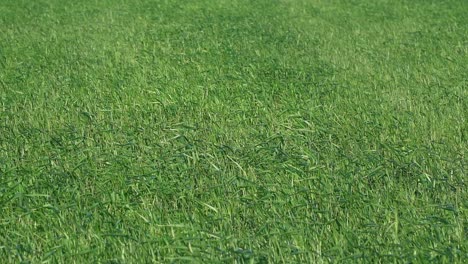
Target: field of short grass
235, 131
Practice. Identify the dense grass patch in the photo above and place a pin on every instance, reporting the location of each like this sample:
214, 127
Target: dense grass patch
233, 131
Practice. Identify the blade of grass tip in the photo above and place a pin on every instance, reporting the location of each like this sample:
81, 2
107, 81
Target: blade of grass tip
238, 165
208, 206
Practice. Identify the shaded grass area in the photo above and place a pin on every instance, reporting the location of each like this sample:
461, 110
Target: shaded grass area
236, 131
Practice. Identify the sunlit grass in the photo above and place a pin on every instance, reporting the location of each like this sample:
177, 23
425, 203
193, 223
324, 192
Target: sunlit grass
233, 131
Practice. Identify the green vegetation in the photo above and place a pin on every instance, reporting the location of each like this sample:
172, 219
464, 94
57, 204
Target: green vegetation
233, 131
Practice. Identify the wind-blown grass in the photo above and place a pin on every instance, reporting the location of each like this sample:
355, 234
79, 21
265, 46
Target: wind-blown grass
233, 131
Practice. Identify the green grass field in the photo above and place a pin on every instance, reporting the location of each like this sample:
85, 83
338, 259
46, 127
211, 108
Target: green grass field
233, 131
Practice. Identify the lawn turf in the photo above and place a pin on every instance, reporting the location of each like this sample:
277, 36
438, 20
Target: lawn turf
233, 131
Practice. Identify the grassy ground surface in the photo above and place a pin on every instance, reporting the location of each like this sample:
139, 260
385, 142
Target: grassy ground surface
233, 131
